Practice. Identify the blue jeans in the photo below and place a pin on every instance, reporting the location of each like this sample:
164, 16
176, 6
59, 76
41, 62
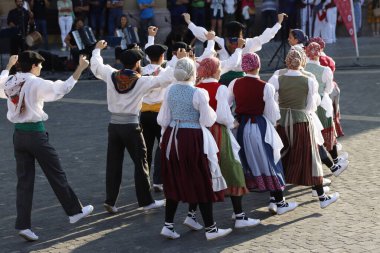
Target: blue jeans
113, 19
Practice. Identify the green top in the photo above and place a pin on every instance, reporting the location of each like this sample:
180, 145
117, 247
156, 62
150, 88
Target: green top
198, 3
293, 91
31, 126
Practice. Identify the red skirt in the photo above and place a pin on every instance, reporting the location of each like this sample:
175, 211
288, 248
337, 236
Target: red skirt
297, 161
186, 176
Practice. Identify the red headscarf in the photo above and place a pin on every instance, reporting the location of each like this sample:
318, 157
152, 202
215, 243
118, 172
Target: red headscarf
250, 61
208, 67
313, 50
318, 40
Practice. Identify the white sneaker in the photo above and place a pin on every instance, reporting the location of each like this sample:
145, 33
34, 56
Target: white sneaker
217, 233
168, 233
158, 188
272, 208
329, 200
192, 224
314, 193
28, 235
243, 221
110, 209
342, 156
156, 204
286, 207
326, 181
85, 212
340, 167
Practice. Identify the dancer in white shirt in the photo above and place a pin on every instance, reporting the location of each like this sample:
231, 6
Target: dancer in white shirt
26, 94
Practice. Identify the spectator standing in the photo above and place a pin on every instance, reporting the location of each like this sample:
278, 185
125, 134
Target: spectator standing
332, 16
217, 14
229, 11
177, 8
65, 19
269, 13
97, 16
39, 9
198, 12
374, 21
19, 19
358, 14
81, 9
248, 10
290, 8
306, 12
115, 10
146, 18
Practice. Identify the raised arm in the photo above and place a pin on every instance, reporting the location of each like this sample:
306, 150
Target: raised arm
98, 68
255, 44
49, 91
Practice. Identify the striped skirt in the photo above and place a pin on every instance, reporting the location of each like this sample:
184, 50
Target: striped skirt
297, 158
257, 156
231, 169
328, 131
186, 175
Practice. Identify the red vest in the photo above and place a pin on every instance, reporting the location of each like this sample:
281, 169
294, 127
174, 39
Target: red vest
249, 93
211, 88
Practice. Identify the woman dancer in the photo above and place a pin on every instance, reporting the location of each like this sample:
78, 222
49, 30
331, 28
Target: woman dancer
189, 151
257, 112
298, 97
209, 72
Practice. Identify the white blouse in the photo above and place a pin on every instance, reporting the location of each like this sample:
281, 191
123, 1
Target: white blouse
328, 79
3, 78
156, 95
251, 44
36, 91
130, 102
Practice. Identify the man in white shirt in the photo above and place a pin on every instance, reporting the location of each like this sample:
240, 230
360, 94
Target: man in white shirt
26, 94
126, 89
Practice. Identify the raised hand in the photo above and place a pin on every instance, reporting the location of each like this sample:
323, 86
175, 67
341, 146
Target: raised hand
187, 18
12, 61
101, 44
83, 62
210, 35
152, 31
240, 42
281, 17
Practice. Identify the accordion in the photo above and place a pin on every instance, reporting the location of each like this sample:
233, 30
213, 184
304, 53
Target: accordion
129, 35
84, 38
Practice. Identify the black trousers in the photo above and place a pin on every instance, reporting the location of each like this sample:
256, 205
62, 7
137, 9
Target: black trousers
29, 146
152, 132
121, 137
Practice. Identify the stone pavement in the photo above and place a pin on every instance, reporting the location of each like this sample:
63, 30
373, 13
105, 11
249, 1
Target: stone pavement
77, 128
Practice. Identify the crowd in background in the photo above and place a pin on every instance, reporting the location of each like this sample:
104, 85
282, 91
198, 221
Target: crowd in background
106, 16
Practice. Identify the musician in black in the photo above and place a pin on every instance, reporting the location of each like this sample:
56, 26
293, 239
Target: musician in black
20, 20
128, 34
70, 41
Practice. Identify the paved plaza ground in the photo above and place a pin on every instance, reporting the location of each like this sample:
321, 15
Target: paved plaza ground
77, 128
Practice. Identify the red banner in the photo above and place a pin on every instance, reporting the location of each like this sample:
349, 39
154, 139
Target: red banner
346, 10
